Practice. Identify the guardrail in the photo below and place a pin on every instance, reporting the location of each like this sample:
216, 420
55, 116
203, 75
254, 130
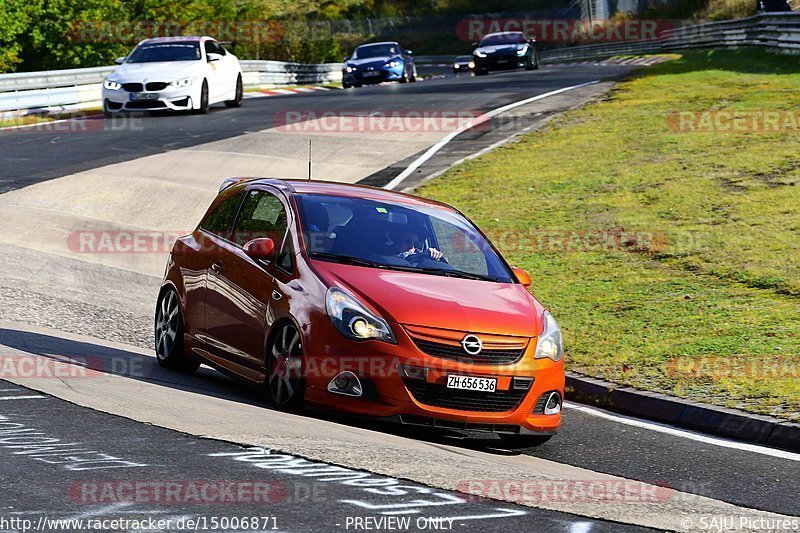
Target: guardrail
80, 88
777, 32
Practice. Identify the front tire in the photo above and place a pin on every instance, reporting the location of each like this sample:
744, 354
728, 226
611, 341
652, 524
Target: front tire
237, 100
169, 330
203, 108
285, 382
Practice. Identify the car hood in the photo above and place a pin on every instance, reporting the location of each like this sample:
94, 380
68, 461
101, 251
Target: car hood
158, 71
373, 61
438, 301
500, 49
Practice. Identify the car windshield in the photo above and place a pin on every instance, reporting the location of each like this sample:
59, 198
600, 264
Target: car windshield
376, 50
463, 59
503, 38
424, 239
152, 53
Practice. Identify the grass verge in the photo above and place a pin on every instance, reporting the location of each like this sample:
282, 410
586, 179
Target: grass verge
662, 228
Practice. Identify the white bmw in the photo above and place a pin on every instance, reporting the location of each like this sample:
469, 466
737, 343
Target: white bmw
174, 73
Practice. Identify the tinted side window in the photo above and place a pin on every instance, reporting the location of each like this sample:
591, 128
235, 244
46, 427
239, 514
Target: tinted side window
263, 215
220, 220
214, 48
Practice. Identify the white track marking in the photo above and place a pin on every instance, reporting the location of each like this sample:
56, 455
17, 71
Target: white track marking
471, 124
580, 527
501, 513
685, 433
21, 397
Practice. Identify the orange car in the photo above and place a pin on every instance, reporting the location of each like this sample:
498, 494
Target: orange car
364, 301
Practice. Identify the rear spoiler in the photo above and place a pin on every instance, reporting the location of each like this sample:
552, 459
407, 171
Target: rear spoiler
230, 182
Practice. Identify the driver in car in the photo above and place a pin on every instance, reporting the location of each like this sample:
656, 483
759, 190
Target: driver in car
406, 246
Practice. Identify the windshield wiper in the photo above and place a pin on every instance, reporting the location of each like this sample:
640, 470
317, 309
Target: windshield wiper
457, 274
349, 260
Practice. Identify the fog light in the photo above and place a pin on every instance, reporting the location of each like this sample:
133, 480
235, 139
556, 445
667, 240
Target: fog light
346, 383
553, 405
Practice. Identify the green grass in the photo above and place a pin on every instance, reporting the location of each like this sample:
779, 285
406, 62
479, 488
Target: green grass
711, 311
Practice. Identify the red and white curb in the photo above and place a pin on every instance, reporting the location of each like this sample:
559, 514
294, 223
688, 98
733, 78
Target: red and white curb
282, 92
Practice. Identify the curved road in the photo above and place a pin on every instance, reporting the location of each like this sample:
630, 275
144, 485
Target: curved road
157, 174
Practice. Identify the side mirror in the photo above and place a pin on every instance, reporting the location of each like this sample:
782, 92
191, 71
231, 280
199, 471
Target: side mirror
120, 60
260, 250
346, 59
522, 276
409, 52
474, 44
213, 57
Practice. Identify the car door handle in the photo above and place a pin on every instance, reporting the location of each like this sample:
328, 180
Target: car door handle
217, 267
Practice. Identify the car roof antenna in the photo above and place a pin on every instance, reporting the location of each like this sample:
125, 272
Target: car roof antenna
309, 160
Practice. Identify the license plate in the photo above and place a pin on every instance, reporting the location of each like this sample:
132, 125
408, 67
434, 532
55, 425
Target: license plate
470, 383
499, 61
144, 96
371, 74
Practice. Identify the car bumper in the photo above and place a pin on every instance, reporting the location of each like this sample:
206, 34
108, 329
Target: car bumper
174, 99
379, 76
516, 407
500, 62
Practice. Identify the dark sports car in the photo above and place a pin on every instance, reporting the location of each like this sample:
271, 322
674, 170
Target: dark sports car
503, 51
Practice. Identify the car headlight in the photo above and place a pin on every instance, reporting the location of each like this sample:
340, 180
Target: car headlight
550, 344
393, 64
480, 53
354, 320
112, 85
521, 51
471, 64
349, 69
185, 82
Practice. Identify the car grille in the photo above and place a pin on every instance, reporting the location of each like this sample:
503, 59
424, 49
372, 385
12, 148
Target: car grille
146, 104
437, 395
383, 76
456, 353
493, 62
156, 86
132, 87
446, 344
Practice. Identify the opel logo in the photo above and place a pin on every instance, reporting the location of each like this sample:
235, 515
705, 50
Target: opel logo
472, 344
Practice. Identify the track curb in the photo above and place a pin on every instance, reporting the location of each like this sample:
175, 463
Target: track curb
721, 421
